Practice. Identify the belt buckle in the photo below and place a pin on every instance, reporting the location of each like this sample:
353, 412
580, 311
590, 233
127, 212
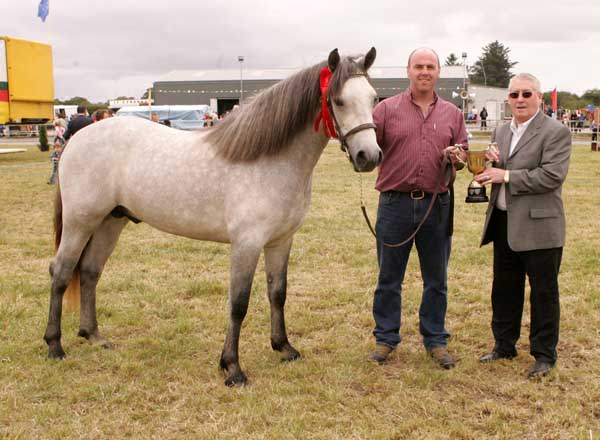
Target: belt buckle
417, 194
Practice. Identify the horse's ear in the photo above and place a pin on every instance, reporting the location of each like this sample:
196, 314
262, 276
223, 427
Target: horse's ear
333, 60
369, 58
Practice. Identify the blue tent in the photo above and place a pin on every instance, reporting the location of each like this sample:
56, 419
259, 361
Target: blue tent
590, 108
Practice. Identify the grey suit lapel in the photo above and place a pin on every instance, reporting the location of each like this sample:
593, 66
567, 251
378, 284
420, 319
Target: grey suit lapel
504, 139
530, 133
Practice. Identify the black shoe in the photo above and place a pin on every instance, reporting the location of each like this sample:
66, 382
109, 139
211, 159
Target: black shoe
380, 354
442, 357
539, 369
494, 356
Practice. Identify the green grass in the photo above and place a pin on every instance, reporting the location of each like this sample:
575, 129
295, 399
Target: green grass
163, 302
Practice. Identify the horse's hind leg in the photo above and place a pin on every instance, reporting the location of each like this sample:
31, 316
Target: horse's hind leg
243, 265
99, 248
61, 271
276, 264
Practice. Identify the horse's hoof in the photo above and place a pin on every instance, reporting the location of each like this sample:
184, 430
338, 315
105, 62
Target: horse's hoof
56, 353
95, 339
289, 354
236, 380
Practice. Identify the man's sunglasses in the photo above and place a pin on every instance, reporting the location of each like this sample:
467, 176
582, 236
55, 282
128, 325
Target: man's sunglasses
526, 94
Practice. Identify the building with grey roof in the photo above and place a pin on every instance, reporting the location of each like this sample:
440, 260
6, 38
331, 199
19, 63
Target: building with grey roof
221, 89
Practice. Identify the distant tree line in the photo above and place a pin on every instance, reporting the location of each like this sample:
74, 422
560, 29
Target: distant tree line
572, 101
91, 106
78, 100
493, 68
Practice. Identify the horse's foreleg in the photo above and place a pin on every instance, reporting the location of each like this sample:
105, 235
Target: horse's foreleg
61, 270
276, 263
243, 265
94, 257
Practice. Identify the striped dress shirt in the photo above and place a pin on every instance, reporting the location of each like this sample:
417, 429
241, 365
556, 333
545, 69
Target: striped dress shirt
412, 144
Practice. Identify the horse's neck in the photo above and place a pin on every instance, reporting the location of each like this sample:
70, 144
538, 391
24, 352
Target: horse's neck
306, 149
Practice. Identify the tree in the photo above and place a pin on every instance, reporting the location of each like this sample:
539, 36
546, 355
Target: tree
147, 92
591, 97
43, 135
493, 66
78, 100
451, 60
566, 100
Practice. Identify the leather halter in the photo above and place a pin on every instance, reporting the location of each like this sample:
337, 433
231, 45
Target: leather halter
343, 137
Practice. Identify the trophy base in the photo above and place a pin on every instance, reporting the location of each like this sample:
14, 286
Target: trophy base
476, 195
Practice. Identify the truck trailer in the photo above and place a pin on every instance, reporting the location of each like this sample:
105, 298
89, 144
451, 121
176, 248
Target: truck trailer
26, 82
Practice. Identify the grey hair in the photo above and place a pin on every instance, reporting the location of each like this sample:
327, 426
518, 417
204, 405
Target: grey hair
426, 49
267, 124
537, 87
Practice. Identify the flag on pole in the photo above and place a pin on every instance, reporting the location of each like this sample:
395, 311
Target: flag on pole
43, 9
554, 100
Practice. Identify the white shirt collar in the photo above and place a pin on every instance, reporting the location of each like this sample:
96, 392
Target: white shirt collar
521, 127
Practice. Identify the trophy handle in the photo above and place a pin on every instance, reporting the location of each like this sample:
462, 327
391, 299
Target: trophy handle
492, 147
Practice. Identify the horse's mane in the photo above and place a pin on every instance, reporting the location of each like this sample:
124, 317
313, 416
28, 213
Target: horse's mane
267, 124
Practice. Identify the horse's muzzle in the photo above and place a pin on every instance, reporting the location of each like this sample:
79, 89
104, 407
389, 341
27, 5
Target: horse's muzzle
366, 161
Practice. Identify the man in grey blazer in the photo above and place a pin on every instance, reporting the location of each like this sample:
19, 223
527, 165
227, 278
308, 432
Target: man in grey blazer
526, 222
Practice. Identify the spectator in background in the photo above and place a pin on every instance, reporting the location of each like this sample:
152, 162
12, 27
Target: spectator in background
59, 142
594, 135
483, 114
80, 120
167, 122
61, 118
100, 114
573, 120
154, 117
580, 120
59, 132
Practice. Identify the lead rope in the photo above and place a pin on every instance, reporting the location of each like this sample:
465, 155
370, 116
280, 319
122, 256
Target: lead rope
363, 207
366, 216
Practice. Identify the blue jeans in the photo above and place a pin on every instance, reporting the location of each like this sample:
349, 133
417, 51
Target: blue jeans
397, 217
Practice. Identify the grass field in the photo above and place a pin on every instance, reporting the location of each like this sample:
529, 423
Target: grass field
163, 302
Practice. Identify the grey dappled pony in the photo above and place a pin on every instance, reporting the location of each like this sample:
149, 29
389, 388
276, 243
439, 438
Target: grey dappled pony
246, 182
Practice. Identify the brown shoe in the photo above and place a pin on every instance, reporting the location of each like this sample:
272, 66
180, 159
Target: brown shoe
380, 354
442, 357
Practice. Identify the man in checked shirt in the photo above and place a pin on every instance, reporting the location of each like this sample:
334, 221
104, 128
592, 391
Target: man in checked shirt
415, 129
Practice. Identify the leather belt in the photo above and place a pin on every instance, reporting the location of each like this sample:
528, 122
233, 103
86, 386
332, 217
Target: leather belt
417, 194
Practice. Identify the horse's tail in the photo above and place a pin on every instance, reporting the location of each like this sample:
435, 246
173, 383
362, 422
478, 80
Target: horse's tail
73, 293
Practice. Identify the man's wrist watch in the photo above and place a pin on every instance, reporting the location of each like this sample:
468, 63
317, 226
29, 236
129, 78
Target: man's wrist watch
506, 176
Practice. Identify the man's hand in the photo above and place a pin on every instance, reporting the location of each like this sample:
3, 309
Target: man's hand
457, 156
491, 175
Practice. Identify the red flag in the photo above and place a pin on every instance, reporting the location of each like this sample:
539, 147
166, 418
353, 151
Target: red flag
554, 100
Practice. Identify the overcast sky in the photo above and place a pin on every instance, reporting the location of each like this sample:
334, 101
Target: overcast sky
104, 49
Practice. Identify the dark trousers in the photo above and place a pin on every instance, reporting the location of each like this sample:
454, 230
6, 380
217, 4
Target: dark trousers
397, 217
508, 291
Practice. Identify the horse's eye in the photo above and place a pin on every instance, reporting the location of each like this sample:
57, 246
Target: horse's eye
338, 102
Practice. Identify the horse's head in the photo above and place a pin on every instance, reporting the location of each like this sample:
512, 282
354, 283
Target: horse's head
351, 99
